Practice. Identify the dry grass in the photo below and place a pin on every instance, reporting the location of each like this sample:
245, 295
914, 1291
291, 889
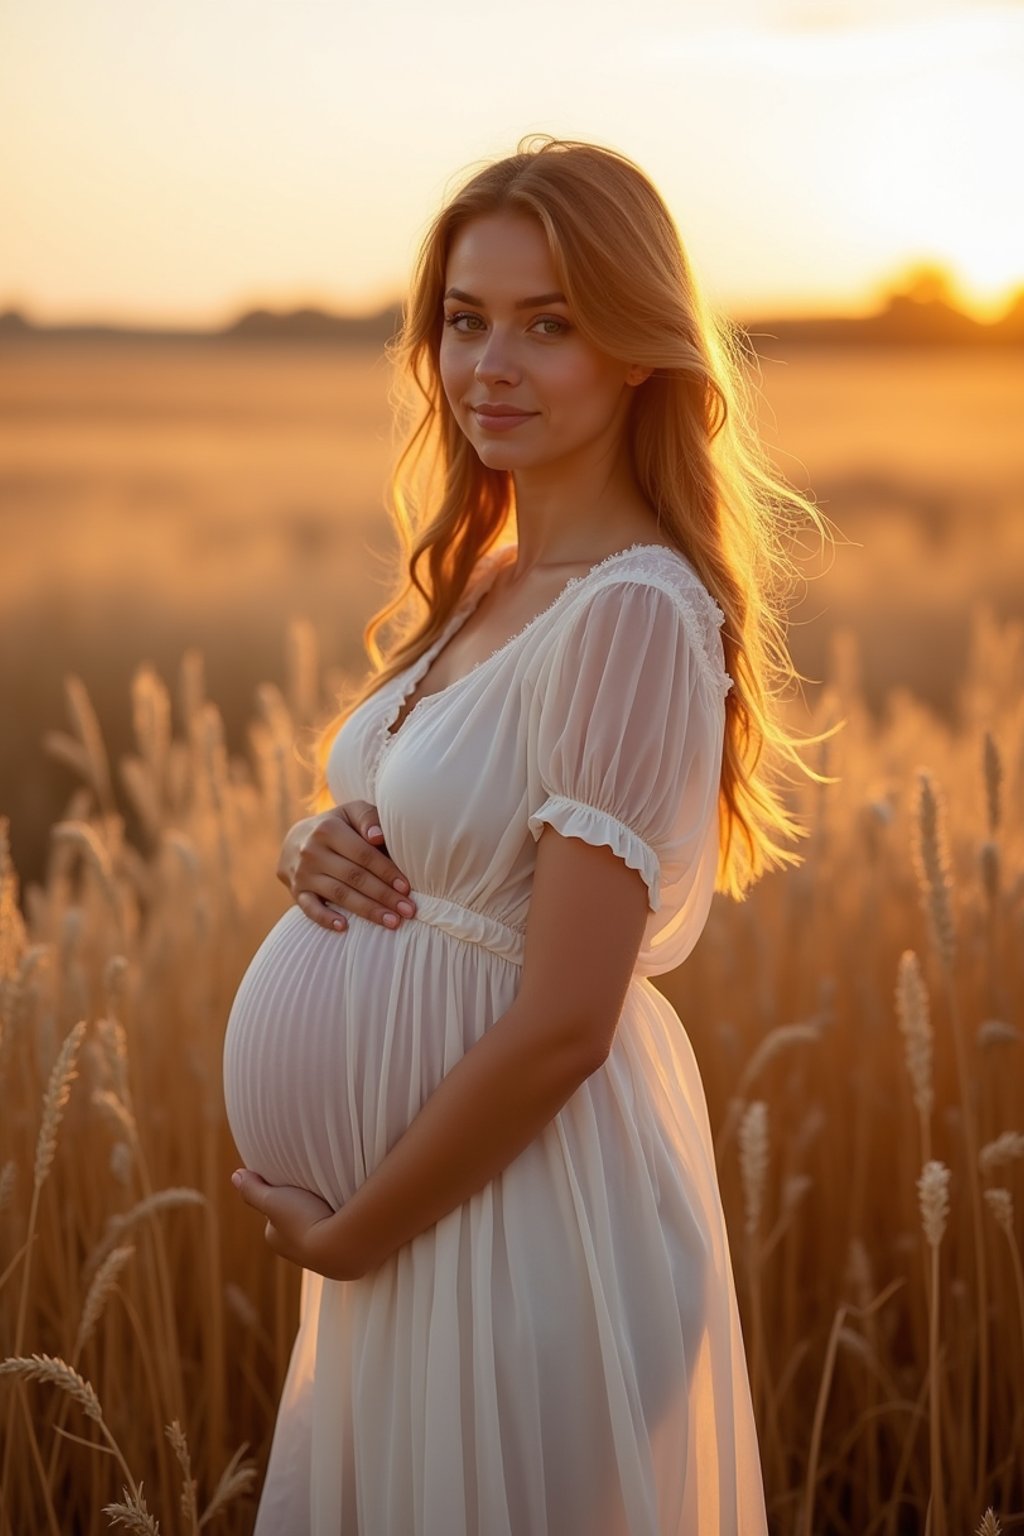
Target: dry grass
870, 1032
864, 1073
899, 943
154, 498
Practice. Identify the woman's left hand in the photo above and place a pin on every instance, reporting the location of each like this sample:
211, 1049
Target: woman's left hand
293, 1215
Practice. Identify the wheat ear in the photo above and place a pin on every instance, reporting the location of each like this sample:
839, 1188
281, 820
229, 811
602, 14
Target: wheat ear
176, 1435
131, 1512
933, 1194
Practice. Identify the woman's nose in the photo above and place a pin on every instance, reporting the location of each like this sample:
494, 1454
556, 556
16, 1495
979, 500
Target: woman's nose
496, 361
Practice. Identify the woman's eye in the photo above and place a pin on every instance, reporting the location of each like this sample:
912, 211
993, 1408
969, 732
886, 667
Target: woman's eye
453, 319
462, 314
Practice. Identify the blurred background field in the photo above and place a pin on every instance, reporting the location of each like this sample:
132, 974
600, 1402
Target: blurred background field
158, 496
195, 533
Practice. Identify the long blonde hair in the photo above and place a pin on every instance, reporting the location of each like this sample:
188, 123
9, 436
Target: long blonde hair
697, 459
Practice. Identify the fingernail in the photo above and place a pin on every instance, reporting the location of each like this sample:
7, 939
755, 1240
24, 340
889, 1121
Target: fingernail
375, 831
406, 908
401, 884
236, 1178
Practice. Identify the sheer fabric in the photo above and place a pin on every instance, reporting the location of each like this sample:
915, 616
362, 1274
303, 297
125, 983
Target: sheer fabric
562, 1354
625, 738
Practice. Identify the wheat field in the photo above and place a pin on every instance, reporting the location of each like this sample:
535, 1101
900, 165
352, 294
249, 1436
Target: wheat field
858, 1027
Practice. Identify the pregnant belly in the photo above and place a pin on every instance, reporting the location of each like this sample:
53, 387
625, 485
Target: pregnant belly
335, 1040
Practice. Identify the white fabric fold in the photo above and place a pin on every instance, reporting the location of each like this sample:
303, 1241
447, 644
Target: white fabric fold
572, 819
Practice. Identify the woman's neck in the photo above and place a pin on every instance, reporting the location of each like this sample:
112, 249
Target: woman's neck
557, 531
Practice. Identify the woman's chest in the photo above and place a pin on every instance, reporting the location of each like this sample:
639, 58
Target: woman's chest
454, 739
451, 789
501, 615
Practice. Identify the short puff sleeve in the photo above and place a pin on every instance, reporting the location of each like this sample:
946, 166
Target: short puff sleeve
625, 736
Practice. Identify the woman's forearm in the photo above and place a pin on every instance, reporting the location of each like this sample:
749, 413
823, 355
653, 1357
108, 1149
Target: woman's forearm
496, 1099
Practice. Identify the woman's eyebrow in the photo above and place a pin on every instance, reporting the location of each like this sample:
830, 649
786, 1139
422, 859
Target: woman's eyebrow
540, 298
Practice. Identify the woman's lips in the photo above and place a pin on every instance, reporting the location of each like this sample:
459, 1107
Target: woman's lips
502, 423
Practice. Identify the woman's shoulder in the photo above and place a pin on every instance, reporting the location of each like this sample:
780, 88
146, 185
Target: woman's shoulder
665, 586
657, 567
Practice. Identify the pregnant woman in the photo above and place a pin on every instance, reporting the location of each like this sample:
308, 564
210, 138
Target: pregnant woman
464, 1109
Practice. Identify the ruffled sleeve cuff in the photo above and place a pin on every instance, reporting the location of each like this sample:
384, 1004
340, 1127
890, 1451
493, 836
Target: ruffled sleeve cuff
574, 819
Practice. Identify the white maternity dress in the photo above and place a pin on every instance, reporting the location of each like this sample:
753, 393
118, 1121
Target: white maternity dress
561, 1355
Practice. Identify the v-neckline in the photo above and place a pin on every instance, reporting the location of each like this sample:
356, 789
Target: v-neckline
418, 670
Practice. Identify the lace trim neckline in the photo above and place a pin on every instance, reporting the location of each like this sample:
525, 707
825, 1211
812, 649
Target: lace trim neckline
410, 680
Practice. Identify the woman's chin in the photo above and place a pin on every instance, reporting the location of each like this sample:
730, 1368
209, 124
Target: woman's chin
500, 455
495, 459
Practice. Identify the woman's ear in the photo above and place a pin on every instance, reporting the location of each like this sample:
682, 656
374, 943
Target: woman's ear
638, 374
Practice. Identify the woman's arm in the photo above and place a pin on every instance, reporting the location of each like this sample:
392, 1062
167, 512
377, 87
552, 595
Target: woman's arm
586, 921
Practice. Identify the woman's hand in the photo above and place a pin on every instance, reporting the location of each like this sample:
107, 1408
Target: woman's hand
297, 1227
337, 860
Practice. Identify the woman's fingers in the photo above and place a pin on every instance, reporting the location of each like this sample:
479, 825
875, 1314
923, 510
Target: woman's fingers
363, 816
355, 888
320, 911
338, 870
360, 880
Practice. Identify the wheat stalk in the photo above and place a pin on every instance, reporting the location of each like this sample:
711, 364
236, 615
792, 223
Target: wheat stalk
782, 1038
115, 982
933, 1195
58, 1373
114, 1041
915, 1026
119, 1114
935, 883
123, 1221
80, 834
932, 861
58, 1090
13, 936
151, 720
753, 1140
753, 1152
189, 1513
1000, 1203
137, 779
1005, 1149
122, 1161
99, 1291
131, 1512
238, 1477
84, 717
96, 1298
824, 1386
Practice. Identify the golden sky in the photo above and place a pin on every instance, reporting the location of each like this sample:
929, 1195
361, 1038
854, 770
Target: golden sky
178, 160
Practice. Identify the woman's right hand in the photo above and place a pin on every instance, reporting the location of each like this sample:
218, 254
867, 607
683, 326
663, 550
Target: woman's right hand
336, 859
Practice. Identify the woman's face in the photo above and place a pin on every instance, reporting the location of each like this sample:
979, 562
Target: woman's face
498, 350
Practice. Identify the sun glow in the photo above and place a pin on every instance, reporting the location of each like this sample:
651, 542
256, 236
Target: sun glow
809, 150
